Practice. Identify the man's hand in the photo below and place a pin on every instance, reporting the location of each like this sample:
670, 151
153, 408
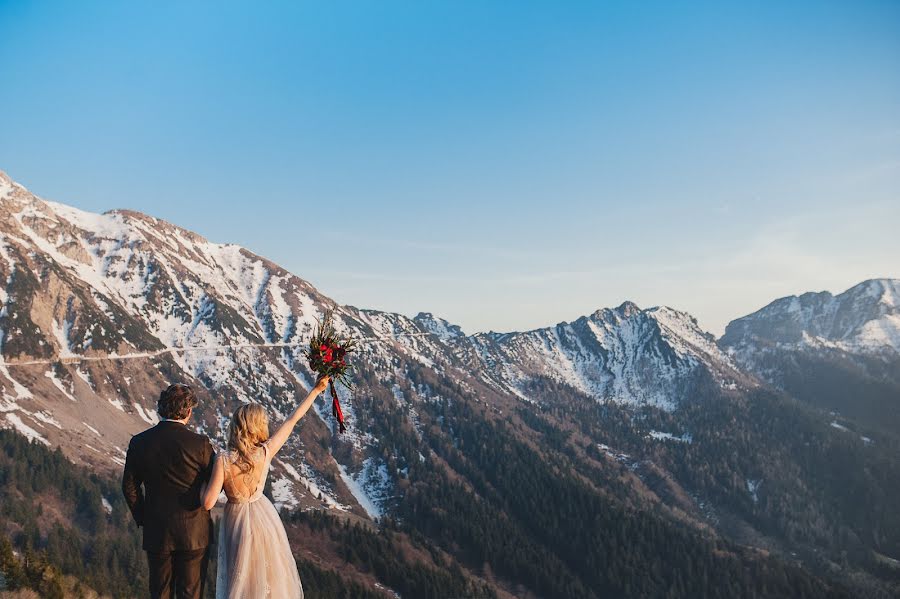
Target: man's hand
132, 481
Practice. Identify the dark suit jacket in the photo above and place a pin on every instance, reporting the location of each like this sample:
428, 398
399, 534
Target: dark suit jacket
172, 463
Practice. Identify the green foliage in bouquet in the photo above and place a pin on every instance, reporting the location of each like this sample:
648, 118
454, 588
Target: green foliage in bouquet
327, 352
327, 355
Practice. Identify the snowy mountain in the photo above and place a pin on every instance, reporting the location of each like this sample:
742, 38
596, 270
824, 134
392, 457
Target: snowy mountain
863, 319
82, 287
638, 413
840, 352
166, 304
656, 356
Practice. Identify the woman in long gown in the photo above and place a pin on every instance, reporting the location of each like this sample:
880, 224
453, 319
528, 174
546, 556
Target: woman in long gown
255, 559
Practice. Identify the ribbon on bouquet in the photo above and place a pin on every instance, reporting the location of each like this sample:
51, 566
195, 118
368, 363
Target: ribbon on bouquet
336, 408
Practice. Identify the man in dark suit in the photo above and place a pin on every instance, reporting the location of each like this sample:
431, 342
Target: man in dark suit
172, 463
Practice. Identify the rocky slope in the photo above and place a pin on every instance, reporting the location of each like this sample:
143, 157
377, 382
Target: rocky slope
636, 414
166, 304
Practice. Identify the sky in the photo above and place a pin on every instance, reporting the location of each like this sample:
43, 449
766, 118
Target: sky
504, 165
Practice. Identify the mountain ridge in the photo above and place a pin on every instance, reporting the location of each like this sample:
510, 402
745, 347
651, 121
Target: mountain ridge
820, 318
635, 411
838, 352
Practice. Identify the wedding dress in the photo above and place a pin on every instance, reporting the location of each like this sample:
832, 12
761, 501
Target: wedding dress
255, 559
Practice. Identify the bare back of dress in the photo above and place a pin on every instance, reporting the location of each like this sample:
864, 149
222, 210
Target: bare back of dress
255, 558
242, 487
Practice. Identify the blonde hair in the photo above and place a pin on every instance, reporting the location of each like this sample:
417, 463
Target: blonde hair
248, 430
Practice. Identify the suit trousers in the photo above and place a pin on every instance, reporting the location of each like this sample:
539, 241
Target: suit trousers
178, 574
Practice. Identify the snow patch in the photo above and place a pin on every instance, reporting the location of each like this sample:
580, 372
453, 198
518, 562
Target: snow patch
282, 492
24, 429
61, 332
22, 392
45, 416
370, 486
392, 592
50, 374
308, 481
92, 429
753, 488
616, 455
662, 436
146, 415
85, 377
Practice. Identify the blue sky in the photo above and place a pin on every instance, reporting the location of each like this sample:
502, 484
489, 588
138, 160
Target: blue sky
506, 165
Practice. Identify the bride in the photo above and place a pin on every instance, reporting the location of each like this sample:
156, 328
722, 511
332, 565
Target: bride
255, 558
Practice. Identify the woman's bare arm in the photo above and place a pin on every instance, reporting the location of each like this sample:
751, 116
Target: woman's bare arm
284, 431
210, 493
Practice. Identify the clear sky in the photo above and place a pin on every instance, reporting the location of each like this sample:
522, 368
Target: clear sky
506, 165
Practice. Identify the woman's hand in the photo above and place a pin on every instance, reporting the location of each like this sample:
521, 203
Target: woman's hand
322, 384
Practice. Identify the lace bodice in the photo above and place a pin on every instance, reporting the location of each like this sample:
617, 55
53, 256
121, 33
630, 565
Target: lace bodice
243, 487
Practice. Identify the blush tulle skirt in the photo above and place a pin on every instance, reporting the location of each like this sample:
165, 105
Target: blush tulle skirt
255, 559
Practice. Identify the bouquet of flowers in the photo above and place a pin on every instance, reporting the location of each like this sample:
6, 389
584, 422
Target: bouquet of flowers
327, 355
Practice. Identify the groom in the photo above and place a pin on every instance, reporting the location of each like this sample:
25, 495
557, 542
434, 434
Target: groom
172, 463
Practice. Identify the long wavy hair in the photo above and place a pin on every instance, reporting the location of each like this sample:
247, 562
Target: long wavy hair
248, 430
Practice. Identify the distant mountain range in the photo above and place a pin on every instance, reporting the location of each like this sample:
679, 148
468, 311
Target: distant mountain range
635, 413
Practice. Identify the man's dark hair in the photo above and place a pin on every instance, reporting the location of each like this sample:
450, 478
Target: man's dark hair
176, 401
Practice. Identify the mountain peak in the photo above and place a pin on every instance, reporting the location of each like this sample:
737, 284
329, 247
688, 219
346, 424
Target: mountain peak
159, 225
886, 290
865, 317
8, 186
628, 308
625, 310
656, 356
439, 326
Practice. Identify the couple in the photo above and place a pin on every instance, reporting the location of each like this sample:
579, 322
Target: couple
182, 478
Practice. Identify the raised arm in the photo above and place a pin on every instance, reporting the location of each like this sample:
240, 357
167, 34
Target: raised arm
284, 431
210, 492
